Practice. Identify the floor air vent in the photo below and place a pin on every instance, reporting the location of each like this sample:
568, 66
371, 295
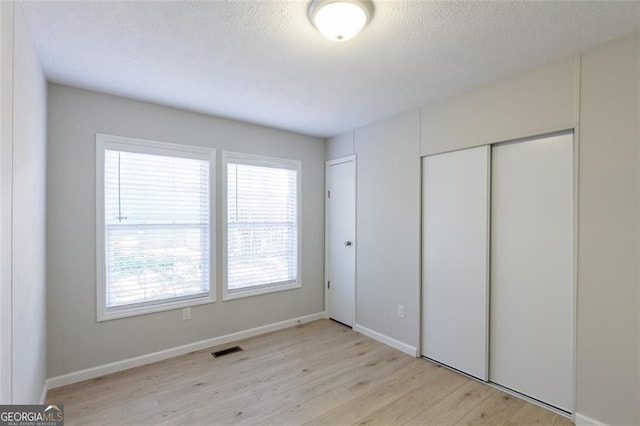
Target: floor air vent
227, 351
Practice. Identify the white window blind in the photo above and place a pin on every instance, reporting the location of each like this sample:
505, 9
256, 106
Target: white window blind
156, 226
262, 225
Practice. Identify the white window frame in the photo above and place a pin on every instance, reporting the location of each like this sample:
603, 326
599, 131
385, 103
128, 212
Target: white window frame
144, 146
260, 160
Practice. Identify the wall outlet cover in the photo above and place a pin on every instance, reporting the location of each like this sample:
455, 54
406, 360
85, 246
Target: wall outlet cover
186, 314
401, 311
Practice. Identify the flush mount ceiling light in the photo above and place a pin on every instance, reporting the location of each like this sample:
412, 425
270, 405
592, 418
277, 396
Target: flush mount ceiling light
340, 20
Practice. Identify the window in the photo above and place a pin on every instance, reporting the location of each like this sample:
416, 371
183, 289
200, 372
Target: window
154, 233
262, 224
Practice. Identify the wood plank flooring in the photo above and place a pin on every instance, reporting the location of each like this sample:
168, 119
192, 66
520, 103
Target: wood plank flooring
319, 373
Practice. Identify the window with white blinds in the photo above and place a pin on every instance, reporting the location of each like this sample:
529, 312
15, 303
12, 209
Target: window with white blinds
262, 224
155, 230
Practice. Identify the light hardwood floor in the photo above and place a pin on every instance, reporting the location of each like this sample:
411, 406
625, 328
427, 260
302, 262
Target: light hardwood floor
319, 373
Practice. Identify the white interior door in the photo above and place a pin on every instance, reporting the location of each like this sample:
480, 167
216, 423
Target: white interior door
341, 243
532, 291
455, 262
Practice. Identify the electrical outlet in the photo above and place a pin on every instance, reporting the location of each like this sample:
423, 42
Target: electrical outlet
186, 314
401, 311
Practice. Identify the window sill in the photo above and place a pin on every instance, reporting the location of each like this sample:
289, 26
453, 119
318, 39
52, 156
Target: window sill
144, 310
239, 294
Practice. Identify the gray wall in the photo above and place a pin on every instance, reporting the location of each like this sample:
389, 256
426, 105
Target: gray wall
388, 227
609, 228
542, 100
387, 224
340, 146
76, 341
27, 207
597, 93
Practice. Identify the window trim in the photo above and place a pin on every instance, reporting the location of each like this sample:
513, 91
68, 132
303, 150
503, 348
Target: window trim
103, 142
265, 161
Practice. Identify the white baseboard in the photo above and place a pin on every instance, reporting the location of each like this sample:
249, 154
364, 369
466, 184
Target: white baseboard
582, 420
386, 340
43, 395
101, 370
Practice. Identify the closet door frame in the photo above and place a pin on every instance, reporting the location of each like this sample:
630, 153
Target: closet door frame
576, 174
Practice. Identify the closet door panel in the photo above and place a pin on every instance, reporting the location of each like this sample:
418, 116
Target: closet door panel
532, 291
455, 263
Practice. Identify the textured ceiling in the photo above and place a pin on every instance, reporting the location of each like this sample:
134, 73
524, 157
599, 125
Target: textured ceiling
263, 62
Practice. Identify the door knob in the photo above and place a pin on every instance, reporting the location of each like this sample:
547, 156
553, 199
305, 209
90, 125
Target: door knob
348, 243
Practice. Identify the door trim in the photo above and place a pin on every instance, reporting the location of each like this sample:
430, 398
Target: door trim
329, 163
6, 196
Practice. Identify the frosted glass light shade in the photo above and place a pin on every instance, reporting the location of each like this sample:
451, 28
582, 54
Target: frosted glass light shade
340, 20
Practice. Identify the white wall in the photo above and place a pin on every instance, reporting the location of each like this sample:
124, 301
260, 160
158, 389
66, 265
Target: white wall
609, 227
388, 227
24, 134
76, 341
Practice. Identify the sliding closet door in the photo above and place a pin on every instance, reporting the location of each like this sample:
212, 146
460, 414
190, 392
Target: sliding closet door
455, 234
532, 296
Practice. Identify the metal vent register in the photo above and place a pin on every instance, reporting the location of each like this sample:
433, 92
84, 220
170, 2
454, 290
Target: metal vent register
227, 351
